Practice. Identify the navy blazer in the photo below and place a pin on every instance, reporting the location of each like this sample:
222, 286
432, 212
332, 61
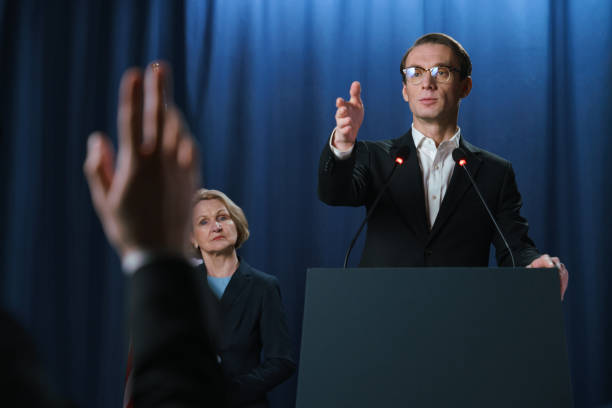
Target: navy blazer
252, 323
175, 362
398, 233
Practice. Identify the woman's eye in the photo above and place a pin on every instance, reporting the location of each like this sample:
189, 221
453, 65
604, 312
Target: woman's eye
203, 222
222, 217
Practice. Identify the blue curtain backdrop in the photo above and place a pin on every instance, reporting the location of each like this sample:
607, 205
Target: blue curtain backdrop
257, 81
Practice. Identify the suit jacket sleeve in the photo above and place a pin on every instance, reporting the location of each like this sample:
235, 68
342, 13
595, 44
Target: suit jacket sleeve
513, 225
278, 363
174, 361
344, 182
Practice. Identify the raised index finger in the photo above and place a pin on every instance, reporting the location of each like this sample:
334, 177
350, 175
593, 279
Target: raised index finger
155, 88
355, 92
129, 112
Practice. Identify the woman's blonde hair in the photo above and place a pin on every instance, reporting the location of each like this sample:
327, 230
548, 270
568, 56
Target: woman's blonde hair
236, 213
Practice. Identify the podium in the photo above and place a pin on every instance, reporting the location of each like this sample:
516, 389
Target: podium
433, 337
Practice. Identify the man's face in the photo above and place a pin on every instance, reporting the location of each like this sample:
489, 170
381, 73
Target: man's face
431, 101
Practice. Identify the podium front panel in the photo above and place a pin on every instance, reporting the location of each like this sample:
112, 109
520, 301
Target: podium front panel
433, 337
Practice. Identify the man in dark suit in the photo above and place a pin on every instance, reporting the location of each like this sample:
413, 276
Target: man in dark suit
431, 215
144, 204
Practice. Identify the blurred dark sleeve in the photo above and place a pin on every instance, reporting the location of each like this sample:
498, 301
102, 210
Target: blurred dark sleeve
175, 364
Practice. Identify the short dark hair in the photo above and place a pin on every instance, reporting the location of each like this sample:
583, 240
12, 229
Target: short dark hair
465, 64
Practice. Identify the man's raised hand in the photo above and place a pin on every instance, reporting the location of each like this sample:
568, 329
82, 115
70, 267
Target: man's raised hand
144, 201
349, 117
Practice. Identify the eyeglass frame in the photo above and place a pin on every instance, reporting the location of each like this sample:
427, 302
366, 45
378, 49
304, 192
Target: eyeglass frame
451, 69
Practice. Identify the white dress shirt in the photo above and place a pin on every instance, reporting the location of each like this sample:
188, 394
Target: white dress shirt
436, 164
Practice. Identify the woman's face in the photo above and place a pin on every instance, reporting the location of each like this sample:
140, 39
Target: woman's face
214, 230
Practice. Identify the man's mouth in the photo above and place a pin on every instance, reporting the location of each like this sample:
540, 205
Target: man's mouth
428, 101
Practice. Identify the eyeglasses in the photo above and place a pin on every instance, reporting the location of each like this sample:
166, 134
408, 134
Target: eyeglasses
415, 75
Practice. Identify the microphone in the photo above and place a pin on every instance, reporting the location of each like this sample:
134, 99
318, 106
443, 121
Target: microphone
400, 157
459, 158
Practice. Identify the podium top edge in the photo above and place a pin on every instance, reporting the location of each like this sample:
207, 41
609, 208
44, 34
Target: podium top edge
430, 269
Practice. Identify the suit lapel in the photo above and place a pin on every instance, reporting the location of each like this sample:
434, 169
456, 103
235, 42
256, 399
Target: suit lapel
407, 191
236, 285
457, 187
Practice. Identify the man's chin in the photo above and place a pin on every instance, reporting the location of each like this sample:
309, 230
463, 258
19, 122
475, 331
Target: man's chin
429, 116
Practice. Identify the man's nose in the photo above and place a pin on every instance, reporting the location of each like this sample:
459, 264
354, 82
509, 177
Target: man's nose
428, 80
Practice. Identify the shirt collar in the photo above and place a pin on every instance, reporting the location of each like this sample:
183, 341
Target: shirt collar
419, 138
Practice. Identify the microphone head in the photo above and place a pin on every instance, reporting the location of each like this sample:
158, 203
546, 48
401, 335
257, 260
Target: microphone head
401, 155
459, 156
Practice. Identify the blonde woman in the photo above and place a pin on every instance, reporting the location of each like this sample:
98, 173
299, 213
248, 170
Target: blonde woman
255, 350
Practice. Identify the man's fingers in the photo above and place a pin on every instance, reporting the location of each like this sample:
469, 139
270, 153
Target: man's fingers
129, 113
188, 159
167, 84
154, 107
546, 261
543, 261
187, 153
356, 93
564, 280
172, 132
100, 159
341, 112
342, 122
340, 102
99, 168
563, 277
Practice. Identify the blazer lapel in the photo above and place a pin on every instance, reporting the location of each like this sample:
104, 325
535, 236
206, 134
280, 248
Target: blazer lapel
236, 285
406, 189
457, 187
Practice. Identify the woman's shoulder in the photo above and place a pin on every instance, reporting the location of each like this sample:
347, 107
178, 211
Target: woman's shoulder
258, 277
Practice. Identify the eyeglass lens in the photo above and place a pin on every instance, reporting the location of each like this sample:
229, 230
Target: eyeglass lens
416, 74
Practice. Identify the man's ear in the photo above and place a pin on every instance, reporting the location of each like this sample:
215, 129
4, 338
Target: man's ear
405, 93
467, 87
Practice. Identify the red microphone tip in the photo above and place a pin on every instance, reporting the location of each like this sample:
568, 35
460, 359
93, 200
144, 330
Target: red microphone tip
399, 160
462, 162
